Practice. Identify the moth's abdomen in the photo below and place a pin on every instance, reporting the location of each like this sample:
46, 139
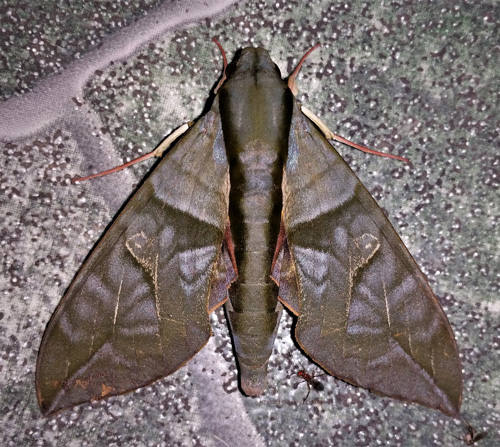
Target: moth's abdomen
254, 212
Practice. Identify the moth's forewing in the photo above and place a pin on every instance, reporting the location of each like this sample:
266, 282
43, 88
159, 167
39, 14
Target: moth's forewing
138, 309
366, 313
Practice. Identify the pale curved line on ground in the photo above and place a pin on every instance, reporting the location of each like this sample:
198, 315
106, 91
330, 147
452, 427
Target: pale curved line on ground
51, 99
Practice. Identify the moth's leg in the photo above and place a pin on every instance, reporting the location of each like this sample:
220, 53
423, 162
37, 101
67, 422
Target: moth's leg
329, 135
158, 152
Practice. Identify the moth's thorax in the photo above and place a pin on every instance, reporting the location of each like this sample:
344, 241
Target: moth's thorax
255, 103
255, 106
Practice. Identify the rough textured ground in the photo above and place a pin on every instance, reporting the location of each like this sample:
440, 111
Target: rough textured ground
86, 85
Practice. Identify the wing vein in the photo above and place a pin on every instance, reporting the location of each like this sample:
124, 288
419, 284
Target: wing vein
386, 304
157, 304
117, 304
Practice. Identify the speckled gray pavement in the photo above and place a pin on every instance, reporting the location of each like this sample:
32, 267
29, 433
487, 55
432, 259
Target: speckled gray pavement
86, 85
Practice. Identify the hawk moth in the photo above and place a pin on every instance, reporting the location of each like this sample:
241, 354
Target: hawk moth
252, 209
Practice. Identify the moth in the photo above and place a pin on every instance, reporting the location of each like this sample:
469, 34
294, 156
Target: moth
252, 209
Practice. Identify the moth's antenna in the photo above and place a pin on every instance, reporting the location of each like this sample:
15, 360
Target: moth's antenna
158, 152
224, 59
329, 135
292, 79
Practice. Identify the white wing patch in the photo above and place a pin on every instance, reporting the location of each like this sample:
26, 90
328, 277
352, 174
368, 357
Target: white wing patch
195, 265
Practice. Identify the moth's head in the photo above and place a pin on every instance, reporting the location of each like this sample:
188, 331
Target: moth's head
252, 62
